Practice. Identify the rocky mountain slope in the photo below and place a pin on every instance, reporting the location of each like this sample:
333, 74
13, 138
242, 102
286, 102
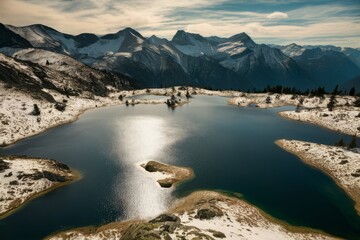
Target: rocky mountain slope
259, 64
33, 70
328, 66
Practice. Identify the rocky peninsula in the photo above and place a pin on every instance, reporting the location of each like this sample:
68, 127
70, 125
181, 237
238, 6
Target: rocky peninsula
341, 164
24, 178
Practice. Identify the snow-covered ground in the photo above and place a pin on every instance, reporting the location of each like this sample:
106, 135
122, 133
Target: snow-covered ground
17, 122
239, 220
341, 164
201, 215
16, 107
341, 120
314, 110
22, 178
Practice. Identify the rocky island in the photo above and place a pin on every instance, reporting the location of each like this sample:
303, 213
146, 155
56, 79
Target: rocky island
170, 175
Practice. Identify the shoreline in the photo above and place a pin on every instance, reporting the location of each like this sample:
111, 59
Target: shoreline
236, 99
101, 102
350, 132
203, 213
314, 124
18, 203
314, 110
351, 192
107, 103
77, 176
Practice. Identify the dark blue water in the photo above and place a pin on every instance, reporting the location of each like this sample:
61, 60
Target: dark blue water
229, 148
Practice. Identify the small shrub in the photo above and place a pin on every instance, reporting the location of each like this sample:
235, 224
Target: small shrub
36, 111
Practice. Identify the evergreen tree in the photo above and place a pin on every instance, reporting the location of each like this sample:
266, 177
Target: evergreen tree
331, 103
268, 100
352, 91
336, 90
357, 102
36, 111
353, 142
340, 143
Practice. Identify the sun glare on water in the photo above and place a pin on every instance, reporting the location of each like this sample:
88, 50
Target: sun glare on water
139, 140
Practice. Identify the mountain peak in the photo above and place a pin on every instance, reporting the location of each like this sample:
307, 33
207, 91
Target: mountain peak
11, 39
185, 38
156, 40
124, 32
242, 37
181, 38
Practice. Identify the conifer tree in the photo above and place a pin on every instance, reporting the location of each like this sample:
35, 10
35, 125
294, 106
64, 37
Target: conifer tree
353, 142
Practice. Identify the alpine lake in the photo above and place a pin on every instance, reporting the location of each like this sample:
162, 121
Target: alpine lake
230, 149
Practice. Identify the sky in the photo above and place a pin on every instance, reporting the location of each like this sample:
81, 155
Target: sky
313, 22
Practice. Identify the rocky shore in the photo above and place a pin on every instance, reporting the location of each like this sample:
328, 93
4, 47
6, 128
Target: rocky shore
24, 178
201, 215
344, 117
19, 119
341, 164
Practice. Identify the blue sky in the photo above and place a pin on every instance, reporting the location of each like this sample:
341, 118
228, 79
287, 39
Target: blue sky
266, 21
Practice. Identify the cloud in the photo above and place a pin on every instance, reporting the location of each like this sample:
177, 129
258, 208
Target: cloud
206, 17
277, 15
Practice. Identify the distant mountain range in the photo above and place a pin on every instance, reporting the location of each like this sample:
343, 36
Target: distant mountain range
236, 62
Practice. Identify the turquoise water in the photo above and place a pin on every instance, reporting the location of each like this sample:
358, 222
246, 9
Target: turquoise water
229, 148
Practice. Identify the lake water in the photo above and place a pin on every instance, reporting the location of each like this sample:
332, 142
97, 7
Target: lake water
230, 149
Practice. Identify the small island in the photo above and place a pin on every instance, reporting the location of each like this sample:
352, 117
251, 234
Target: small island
24, 178
170, 174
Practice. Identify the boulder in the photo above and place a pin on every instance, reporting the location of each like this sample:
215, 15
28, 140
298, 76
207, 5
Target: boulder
165, 183
208, 212
166, 218
4, 165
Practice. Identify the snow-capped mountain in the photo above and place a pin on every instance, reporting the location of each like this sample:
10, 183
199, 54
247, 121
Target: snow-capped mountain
327, 65
236, 62
353, 54
156, 62
292, 50
259, 64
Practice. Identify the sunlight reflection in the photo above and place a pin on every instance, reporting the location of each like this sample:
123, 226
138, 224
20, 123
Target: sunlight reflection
141, 139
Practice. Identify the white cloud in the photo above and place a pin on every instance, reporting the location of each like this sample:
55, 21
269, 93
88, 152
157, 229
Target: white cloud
164, 18
277, 15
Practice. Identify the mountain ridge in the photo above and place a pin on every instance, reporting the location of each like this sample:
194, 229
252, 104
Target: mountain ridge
236, 62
